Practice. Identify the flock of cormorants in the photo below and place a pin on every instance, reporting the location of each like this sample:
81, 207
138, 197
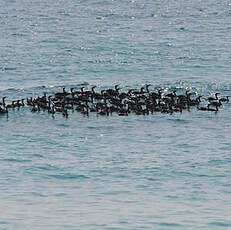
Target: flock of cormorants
112, 100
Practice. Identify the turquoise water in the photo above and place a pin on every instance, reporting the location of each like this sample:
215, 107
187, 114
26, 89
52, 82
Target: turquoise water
137, 172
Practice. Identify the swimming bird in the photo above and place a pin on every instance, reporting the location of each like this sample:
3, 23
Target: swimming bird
61, 94
213, 98
196, 101
158, 95
147, 87
224, 99
216, 103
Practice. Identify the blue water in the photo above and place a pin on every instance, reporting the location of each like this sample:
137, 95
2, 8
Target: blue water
138, 172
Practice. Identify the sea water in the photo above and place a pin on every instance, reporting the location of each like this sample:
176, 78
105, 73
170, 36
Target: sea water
159, 171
